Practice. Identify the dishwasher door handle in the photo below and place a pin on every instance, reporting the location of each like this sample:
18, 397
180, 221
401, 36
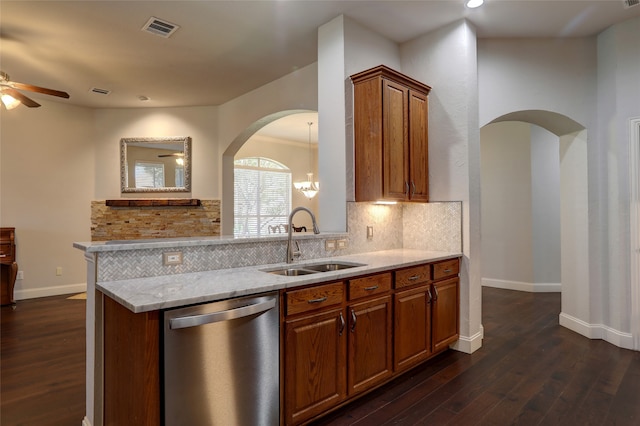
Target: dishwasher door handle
231, 314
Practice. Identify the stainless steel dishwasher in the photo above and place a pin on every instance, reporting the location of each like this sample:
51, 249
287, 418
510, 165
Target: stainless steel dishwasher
221, 363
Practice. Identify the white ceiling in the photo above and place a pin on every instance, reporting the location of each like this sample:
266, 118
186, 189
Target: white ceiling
224, 49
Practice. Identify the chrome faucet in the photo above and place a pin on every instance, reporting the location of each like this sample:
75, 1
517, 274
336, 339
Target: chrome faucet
291, 254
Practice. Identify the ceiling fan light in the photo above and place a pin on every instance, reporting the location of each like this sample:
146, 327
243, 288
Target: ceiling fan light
472, 4
9, 101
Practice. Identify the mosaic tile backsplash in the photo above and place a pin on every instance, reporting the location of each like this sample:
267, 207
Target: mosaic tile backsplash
431, 226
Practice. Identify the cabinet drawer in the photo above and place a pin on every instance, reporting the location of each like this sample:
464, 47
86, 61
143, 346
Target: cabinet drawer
6, 253
447, 268
369, 286
308, 299
412, 276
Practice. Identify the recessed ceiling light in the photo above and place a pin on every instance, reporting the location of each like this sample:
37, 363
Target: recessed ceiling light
472, 4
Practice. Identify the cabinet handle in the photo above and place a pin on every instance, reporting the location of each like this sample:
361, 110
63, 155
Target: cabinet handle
430, 297
406, 187
413, 277
435, 290
373, 287
342, 323
319, 300
353, 321
413, 188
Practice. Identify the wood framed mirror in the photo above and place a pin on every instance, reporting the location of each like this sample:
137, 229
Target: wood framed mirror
160, 164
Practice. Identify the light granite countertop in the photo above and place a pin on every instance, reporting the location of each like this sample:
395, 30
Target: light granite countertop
170, 291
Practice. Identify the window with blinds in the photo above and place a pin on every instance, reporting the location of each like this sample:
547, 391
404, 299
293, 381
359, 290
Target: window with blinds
149, 175
262, 196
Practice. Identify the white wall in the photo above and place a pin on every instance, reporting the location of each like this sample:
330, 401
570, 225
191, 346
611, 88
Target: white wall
48, 168
446, 59
545, 204
592, 81
618, 102
507, 222
520, 207
198, 122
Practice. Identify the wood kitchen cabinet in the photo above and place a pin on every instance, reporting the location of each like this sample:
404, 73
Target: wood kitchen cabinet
315, 351
391, 136
335, 347
412, 317
445, 305
370, 358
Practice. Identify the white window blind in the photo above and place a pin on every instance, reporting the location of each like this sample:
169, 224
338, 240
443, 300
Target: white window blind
149, 175
262, 196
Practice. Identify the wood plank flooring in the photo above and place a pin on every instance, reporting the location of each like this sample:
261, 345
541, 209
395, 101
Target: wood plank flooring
530, 371
42, 362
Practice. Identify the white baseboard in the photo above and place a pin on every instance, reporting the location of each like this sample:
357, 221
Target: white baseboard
32, 293
522, 286
597, 331
469, 345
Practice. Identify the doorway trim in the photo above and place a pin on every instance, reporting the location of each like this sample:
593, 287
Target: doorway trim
634, 227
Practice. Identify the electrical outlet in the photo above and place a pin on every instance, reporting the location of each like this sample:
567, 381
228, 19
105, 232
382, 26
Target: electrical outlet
330, 245
58, 271
369, 232
20, 275
172, 258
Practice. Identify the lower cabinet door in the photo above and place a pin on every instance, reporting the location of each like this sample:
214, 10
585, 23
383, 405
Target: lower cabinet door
446, 300
315, 364
370, 350
412, 334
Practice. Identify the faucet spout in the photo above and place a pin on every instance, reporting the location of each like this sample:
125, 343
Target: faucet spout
291, 254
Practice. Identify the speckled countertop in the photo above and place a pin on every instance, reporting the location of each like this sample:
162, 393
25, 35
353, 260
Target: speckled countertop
169, 291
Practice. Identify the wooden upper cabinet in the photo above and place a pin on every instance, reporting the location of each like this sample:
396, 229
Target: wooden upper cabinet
391, 136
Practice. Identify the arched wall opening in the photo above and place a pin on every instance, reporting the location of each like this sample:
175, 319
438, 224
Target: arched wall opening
534, 206
228, 167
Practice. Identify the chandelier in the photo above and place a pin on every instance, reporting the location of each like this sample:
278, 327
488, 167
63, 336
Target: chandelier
308, 187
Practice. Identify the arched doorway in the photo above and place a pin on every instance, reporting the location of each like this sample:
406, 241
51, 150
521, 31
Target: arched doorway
245, 136
536, 218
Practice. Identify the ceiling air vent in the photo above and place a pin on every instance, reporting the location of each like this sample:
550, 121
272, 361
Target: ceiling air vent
159, 27
100, 91
630, 3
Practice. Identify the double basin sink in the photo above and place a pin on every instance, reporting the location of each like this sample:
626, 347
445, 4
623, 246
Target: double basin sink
315, 268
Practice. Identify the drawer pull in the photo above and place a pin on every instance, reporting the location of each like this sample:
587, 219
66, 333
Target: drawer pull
319, 300
3, 255
373, 287
447, 271
413, 277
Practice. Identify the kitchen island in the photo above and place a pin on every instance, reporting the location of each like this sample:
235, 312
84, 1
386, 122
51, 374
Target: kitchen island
114, 288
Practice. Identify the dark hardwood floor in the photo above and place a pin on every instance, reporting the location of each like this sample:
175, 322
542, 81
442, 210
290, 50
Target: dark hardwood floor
42, 362
530, 371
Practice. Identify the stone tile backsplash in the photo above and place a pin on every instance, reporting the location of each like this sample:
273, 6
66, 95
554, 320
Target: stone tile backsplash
431, 226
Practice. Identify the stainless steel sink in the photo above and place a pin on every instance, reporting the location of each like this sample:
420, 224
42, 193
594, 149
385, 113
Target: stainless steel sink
332, 266
313, 268
291, 272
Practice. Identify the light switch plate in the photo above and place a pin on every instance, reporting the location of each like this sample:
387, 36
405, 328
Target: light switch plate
369, 232
172, 258
341, 244
330, 244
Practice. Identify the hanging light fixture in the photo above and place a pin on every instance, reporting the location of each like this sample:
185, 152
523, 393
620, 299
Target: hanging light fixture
9, 101
308, 187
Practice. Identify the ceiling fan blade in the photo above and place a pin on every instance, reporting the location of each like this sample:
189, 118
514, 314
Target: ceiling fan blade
19, 96
32, 88
175, 154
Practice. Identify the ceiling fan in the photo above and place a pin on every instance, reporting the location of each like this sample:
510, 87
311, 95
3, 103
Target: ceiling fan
175, 154
11, 97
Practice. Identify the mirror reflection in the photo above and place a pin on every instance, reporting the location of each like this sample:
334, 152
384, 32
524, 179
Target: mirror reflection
155, 164
266, 168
